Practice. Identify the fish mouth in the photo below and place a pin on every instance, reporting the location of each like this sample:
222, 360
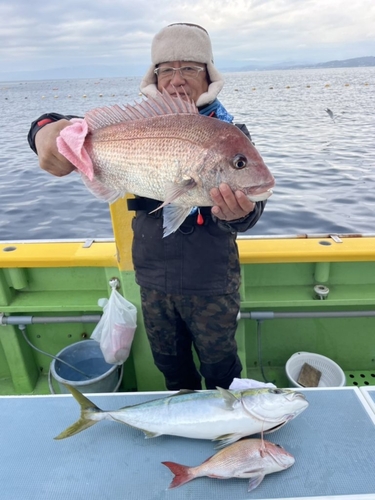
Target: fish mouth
303, 404
291, 396
261, 196
297, 395
260, 192
284, 460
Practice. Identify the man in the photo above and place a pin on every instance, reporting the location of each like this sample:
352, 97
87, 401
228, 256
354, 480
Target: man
189, 281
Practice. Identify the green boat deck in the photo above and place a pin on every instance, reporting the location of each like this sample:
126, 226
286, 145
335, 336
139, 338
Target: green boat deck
279, 275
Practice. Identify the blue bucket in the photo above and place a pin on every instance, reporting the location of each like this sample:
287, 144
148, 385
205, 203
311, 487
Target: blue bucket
86, 356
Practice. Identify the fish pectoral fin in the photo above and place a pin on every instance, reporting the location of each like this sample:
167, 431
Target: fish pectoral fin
227, 439
102, 192
176, 189
149, 435
255, 481
173, 217
254, 471
229, 398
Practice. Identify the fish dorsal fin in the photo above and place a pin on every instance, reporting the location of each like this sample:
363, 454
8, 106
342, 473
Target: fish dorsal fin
183, 391
160, 105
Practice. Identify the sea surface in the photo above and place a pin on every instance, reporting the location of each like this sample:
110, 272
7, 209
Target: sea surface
324, 167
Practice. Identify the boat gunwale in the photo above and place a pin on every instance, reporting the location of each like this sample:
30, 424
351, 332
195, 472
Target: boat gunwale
252, 249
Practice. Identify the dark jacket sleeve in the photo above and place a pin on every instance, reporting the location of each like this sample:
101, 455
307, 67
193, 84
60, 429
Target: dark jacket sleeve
247, 222
53, 117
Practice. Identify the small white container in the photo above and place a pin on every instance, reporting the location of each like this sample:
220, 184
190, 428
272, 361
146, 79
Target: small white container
332, 374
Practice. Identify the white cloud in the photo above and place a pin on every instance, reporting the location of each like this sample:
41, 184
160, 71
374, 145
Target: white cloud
41, 35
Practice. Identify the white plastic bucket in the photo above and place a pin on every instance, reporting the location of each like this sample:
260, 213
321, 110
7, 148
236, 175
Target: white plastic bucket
332, 374
88, 358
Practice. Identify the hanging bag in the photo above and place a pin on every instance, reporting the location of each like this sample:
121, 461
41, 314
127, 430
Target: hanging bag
115, 330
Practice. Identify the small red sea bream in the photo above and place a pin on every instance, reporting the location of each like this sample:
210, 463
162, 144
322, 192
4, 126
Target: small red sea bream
249, 458
162, 148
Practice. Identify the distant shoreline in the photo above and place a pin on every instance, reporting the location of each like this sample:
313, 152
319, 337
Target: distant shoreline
357, 62
100, 72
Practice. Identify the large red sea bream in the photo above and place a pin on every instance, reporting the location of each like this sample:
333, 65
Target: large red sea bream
162, 148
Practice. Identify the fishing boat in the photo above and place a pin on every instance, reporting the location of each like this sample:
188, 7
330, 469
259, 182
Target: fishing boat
299, 294
313, 293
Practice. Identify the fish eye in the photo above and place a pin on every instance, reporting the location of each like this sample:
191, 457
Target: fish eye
276, 391
239, 161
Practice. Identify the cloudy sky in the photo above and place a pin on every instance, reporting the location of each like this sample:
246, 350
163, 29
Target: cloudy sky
38, 36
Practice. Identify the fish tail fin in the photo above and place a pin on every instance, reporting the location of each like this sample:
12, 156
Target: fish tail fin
87, 419
182, 474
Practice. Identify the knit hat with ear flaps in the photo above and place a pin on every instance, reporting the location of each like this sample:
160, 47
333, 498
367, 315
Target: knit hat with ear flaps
183, 42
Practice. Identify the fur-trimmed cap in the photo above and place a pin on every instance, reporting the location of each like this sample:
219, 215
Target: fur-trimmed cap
183, 42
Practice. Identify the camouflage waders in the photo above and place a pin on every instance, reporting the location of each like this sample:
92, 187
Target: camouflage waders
176, 322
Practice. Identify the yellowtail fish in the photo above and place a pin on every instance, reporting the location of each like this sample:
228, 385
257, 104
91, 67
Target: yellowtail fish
221, 415
249, 458
162, 148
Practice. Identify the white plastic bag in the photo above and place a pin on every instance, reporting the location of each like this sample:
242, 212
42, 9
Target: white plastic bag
115, 330
240, 384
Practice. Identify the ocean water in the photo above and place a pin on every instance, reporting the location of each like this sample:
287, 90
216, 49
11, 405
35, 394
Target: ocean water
324, 167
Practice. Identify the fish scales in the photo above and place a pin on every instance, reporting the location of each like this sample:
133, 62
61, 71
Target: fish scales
146, 155
249, 458
164, 149
216, 414
179, 415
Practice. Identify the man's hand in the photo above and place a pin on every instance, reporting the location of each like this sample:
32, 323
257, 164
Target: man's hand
230, 205
49, 157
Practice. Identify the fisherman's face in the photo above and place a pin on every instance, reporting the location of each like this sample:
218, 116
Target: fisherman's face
183, 84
